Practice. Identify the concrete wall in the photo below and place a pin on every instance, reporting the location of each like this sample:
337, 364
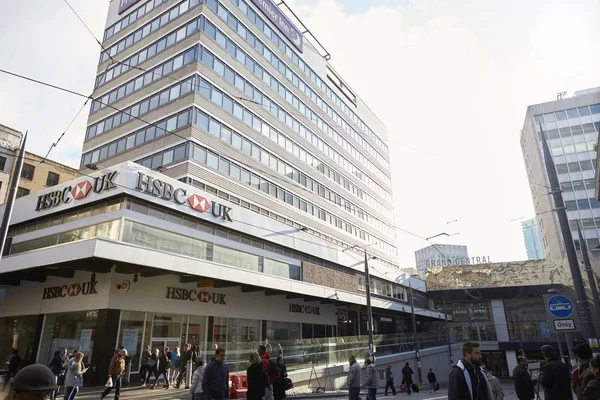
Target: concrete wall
435, 358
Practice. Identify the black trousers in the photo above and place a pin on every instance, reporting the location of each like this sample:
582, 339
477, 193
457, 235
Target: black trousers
182, 373
116, 385
388, 385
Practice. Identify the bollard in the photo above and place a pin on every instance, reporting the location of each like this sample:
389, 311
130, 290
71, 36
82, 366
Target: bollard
188, 374
128, 373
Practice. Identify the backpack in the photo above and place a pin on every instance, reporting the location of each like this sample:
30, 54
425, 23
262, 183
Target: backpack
273, 369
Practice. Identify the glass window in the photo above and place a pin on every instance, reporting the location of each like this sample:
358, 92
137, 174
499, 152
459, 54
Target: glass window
571, 205
586, 165
179, 153
199, 154
595, 109
583, 204
583, 111
572, 113
235, 258
574, 167
560, 115
212, 160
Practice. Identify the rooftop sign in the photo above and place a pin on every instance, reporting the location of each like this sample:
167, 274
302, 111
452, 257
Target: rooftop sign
125, 4
282, 23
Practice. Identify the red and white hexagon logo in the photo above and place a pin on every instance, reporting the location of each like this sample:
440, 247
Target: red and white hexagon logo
204, 297
199, 203
81, 190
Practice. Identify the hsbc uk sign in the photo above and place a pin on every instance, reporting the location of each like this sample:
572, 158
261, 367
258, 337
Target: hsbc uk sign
77, 192
74, 290
192, 295
166, 191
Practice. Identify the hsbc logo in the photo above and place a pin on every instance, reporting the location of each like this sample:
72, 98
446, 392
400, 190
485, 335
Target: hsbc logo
73, 290
78, 192
192, 295
166, 191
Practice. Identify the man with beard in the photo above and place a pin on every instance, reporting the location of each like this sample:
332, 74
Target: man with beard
467, 381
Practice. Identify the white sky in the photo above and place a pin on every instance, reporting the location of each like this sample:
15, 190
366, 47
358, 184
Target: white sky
451, 79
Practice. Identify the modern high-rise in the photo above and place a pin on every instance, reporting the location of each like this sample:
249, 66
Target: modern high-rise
531, 236
440, 255
571, 126
229, 96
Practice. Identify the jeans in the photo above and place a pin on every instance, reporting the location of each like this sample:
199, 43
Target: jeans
390, 385
116, 385
353, 393
54, 393
144, 374
432, 387
269, 392
372, 393
71, 392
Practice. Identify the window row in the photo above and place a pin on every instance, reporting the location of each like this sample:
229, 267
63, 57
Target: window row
139, 109
586, 223
238, 53
160, 239
274, 162
578, 185
567, 114
210, 92
166, 42
257, 96
144, 135
582, 204
576, 166
383, 288
168, 67
280, 43
147, 29
281, 66
573, 148
572, 130
97, 209
108, 230
236, 172
131, 18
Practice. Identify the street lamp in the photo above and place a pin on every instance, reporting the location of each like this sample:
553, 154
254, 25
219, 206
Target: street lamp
415, 336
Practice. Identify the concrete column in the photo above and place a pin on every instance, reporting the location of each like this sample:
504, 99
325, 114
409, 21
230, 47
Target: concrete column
511, 361
499, 318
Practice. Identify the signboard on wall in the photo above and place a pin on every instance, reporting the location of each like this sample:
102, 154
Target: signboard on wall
274, 14
85, 340
125, 4
130, 340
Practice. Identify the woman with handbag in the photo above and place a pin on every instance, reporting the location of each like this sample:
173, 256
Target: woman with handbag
74, 378
161, 368
283, 383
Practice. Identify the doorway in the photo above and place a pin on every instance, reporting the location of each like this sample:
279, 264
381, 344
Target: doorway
162, 343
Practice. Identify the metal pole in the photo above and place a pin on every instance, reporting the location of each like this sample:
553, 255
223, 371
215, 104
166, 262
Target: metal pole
14, 183
188, 374
414, 319
590, 273
570, 349
560, 349
369, 311
448, 332
584, 308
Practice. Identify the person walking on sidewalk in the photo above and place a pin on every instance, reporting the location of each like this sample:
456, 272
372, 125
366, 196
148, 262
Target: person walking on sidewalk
389, 380
58, 367
115, 372
215, 382
524, 385
353, 380
188, 355
371, 379
432, 381
196, 385
175, 365
466, 380
271, 368
74, 378
407, 374
145, 368
161, 368
256, 378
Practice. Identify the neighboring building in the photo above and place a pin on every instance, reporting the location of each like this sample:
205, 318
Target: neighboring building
531, 235
571, 125
10, 140
440, 255
37, 175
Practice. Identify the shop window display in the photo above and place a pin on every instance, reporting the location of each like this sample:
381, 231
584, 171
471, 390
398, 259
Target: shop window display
73, 330
17, 333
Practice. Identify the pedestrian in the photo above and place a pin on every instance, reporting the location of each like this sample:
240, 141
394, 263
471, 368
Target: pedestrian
14, 364
74, 377
524, 385
494, 382
555, 376
466, 380
407, 374
371, 379
353, 379
389, 380
196, 385
256, 378
280, 384
215, 382
271, 369
432, 381
168, 354
58, 367
175, 365
592, 390
584, 355
33, 382
160, 368
188, 355
115, 373
144, 367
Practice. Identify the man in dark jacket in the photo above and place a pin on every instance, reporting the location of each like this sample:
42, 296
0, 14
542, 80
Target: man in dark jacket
58, 368
584, 355
215, 383
389, 380
407, 374
466, 380
187, 355
432, 381
555, 376
524, 386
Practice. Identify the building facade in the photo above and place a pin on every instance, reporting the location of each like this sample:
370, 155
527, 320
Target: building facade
229, 96
10, 141
440, 255
571, 126
38, 174
531, 236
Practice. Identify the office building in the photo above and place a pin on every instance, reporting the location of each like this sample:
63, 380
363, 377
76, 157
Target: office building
226, 168
531, 236
440, 255
10, 140
571, 126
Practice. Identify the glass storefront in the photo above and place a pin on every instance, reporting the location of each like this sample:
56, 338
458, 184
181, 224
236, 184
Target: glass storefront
527, 321
73, 330
17, 333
